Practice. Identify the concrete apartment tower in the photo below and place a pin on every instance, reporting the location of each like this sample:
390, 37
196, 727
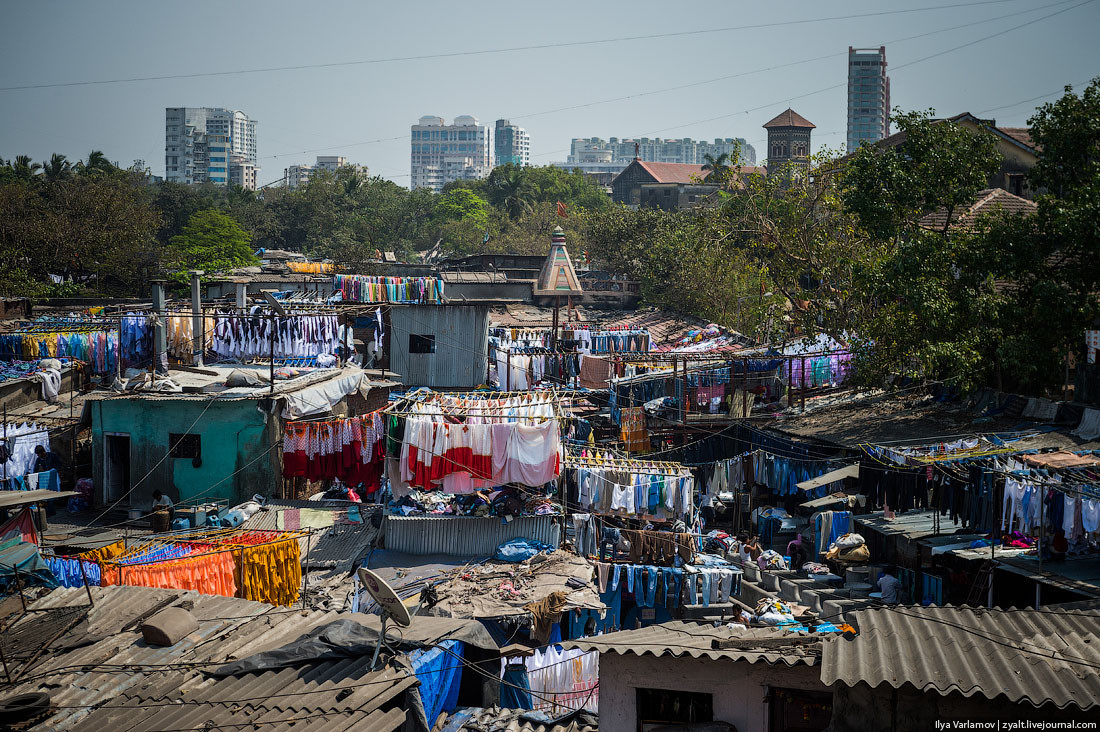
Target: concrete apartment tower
441, 153
209, 145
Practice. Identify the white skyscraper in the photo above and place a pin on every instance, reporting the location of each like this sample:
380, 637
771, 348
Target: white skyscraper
442, 153
201, 144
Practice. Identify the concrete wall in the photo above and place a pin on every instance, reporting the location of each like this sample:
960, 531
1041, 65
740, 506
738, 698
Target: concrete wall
461, 345
233, 433
863, 709
739, 688
16, 393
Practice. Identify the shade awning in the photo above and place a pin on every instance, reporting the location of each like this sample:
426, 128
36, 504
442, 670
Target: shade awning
848, 471
22, 498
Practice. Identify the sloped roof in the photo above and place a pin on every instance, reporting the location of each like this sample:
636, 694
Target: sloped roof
673, 172
1041, 657
987, 201
679, 638
98, 674
1020, 134
789, 118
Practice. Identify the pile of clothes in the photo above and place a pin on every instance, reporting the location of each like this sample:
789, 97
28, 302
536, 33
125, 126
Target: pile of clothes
509, 501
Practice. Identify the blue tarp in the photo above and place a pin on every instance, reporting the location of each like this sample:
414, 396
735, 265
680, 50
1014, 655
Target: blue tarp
33, 570
439, 670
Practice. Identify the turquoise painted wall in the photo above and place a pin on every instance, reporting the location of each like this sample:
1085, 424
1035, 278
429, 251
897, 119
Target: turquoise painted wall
234, 437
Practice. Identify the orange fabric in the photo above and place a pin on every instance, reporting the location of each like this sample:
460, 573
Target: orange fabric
210, 574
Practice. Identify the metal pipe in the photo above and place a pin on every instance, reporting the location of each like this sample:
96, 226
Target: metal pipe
196, 317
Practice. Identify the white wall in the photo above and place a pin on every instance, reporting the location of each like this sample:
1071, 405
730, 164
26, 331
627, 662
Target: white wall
738, 687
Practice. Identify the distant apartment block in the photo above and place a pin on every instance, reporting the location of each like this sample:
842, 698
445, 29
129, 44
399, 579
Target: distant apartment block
202, 143
442, 153
868, 96
242, 172
595, 151
512, 144
298, 175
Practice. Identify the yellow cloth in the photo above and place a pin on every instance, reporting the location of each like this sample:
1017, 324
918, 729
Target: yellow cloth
270, 573
106, 552
311, 267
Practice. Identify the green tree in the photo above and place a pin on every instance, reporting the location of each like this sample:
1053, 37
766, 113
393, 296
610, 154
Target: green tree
933, 302
213, 242
57, 168
511, 189
940, 165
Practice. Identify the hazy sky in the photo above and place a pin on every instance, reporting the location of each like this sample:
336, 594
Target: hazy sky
340, 110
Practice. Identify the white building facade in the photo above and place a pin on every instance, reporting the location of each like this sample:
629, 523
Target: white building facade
441, 153
202, 144
298, 175
589, 151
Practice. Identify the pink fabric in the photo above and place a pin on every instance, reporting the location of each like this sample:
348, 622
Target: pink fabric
532, 455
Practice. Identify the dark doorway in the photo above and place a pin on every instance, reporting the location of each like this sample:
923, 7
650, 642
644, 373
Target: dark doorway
116, 480
794, 710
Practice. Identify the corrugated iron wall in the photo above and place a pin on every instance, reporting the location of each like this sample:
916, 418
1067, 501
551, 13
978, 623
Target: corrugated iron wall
461, 345
464, 536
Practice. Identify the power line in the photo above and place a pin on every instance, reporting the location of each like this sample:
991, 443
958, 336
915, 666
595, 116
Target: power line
509, 49
686, 86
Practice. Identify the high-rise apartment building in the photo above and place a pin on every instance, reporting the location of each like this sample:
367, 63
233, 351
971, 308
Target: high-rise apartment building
242, 172
200, 144
511, 143
597, 151
299, 175
442, 153
868, 96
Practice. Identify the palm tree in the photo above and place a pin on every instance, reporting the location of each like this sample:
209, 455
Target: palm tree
24, 169
718, 167
512, 190
57, 168
96, 164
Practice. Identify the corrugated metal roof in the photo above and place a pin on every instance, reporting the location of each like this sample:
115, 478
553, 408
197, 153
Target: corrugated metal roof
465, 536
1046, 656
678, 638
98, 675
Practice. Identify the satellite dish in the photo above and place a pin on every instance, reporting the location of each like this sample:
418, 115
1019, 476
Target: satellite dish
387, 599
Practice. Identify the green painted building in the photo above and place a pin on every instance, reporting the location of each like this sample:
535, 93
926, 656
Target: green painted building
209, 442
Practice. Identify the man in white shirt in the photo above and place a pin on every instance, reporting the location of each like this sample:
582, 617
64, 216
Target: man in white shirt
889, 585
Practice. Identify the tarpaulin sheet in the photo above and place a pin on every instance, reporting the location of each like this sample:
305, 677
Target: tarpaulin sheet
322, 397
440, 673
23, 557
20, 525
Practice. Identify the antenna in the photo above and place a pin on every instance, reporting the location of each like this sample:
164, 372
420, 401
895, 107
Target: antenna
390, 604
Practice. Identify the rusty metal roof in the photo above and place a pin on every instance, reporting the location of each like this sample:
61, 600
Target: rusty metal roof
678, 638
1043, 657
98, 674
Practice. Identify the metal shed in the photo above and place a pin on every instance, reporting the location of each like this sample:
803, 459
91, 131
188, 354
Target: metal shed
440, 346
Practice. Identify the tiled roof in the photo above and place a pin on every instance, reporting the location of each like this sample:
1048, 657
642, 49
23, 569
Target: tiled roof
1040, 657
989, 200
673, 172
98, 674
679, 638
1020, 134
789, 118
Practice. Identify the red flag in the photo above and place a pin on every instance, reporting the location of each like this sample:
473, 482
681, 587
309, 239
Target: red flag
561, 210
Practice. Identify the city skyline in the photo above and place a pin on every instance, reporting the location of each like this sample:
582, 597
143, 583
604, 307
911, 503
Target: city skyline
307, 112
